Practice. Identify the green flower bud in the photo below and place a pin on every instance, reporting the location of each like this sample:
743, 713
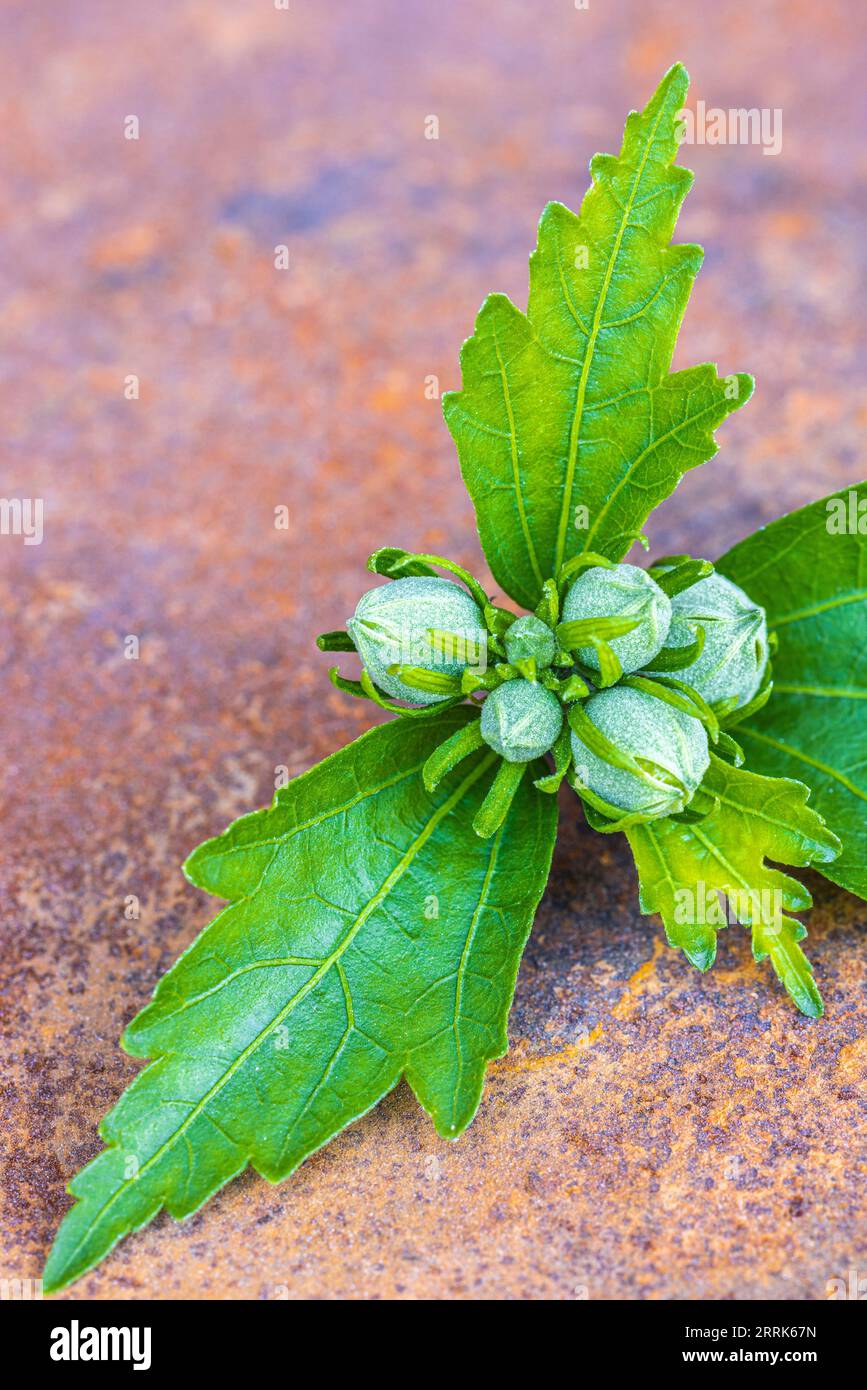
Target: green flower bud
670, 747
521, 720
735, 652
622, 592
529, 638
391, 627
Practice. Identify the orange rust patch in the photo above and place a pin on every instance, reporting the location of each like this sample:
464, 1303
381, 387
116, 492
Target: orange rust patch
643, 981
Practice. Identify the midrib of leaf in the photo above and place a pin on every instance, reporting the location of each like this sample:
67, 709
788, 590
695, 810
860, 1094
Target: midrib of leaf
717, 854
334, 958
572, 462
840, 777
462, 966
516, 470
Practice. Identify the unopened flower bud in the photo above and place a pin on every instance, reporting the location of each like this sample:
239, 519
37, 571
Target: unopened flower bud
521, 720
392, 626
669, 746
733, 659
530, 639
622, 592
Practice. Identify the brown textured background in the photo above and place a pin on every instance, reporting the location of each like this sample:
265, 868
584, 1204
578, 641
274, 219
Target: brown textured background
653, 1133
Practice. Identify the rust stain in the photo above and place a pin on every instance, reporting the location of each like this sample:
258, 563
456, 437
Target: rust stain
518, 1058
644, 981
851, 1069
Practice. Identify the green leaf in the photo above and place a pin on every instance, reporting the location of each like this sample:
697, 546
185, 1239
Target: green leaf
683, 867
370, 935
572, 405
812, 581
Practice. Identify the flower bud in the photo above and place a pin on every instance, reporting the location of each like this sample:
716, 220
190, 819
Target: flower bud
622, 592
521, 720
735, 652
530, 639
391, 627
670, 747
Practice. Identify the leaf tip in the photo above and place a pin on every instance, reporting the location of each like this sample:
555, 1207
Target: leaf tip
702, 957
829, 848
674, 83
191, 867
746, 387
809, 1000
58, 1273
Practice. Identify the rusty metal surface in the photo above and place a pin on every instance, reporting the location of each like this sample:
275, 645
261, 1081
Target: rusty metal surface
653, 1133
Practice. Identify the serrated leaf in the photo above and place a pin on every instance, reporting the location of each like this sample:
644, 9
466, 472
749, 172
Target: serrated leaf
812, 581
573, 404
370, 935
683, 867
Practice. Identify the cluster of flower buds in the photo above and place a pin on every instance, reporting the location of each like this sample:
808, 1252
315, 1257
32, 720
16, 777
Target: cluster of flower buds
626, 677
